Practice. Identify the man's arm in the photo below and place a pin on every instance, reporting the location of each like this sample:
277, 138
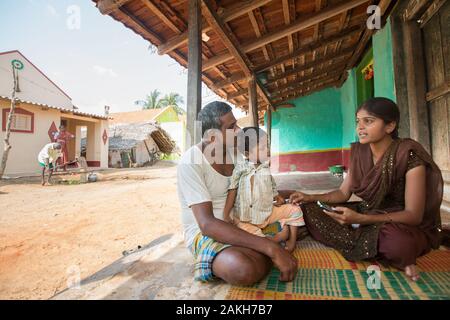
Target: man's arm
227, 233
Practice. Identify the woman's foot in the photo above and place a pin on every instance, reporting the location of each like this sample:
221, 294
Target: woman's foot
412, 272
283, 235
291, 244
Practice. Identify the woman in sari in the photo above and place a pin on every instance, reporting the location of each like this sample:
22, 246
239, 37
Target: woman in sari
401, 189
63, 137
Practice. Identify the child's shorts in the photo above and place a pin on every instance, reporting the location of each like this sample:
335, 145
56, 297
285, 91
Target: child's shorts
286, 214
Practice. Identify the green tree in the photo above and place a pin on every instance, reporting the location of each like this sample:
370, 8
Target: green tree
173, 99
152, 101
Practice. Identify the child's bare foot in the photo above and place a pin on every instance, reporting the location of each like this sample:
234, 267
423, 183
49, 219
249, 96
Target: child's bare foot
283, 235
412, 272
291, 244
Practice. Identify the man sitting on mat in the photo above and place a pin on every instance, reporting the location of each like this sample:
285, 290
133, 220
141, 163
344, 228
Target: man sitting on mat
221, 250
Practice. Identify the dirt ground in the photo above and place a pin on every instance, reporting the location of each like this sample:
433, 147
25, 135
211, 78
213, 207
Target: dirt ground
49, 233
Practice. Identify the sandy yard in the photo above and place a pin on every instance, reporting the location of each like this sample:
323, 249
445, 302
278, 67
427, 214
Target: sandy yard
47, 233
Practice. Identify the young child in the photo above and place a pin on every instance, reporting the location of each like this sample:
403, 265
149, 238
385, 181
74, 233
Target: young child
253, 193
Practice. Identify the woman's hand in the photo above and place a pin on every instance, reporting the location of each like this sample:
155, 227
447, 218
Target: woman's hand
279, 200
346, 216
299, 197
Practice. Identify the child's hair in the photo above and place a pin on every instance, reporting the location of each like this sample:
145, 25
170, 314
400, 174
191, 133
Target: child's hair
385, 109
249, 137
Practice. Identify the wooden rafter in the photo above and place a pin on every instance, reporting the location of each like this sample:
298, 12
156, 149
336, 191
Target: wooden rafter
307, 91
318, 27
303, 82
237, 10
230, 43
142, 29
287, 21
109, 6
239, 76
363, 41
312, 65
298, 25
311, 46
267, 49
161, 15
343, 23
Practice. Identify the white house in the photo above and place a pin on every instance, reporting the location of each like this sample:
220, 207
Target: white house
41, 107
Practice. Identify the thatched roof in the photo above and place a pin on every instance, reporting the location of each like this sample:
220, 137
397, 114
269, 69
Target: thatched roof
127, 136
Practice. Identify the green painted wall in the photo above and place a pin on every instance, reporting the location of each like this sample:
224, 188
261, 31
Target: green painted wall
383, 63
326, 119
348, 108
314, 124
168, 116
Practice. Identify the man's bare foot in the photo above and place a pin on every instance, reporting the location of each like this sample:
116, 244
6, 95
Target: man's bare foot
291, 243
43, 182
283, 235
412, 272
49, 183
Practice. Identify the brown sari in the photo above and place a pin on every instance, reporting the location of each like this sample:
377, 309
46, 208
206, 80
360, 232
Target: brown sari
382, 189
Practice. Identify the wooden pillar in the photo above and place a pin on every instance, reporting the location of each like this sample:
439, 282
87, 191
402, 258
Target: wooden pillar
194, 83
253, 102
269, 128
416, 84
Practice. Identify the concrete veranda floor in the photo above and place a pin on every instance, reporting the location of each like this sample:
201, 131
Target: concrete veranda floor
163, 269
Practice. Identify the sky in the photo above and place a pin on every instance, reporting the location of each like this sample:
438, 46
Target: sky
96, 60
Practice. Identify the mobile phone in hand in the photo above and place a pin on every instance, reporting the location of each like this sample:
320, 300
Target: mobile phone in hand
327, 207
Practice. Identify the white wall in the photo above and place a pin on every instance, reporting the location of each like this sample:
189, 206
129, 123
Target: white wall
22, 158
34, 86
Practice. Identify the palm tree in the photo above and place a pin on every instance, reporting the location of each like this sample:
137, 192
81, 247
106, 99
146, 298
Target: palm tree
173, 99
151, 101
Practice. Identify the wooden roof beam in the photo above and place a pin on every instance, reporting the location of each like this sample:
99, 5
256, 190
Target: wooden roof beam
230, 42
237, 10
312, 64
415, 8
298, 25
239, 76
307, 80
157, 11
109, 6
147, 34
226, 37
287, 21
310, 47
331, 83
258, 33
363, 41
